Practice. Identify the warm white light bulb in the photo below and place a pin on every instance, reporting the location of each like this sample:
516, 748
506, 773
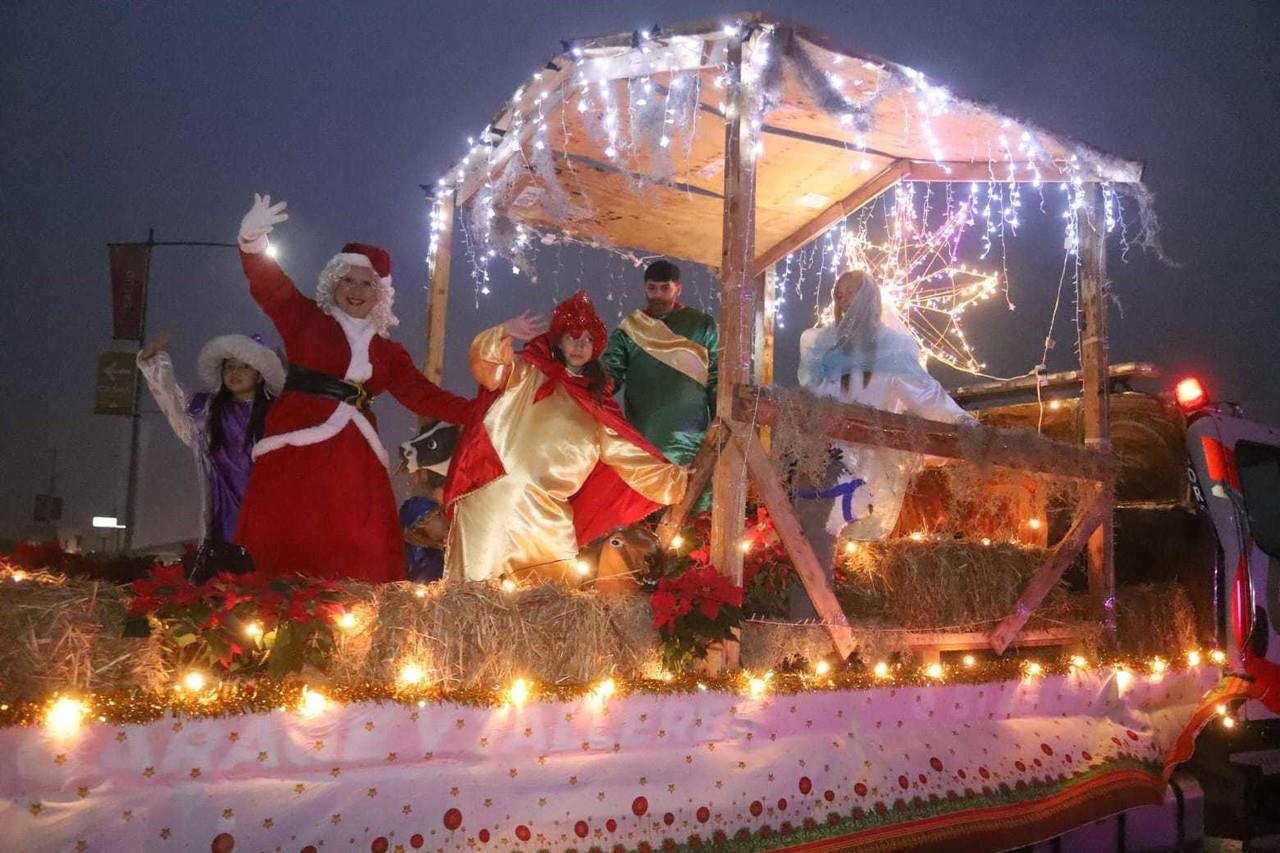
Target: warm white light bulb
822, 668
411, 674
194, 681
65, 716
881, 669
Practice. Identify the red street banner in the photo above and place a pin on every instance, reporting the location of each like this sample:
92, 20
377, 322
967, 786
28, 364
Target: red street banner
130, 263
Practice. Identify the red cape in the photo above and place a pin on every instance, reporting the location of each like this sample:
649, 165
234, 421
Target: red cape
605, 502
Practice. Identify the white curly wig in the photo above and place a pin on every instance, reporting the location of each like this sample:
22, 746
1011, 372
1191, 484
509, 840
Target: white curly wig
381, 316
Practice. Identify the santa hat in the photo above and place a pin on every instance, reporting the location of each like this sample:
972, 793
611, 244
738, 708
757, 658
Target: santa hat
577, 315
243, 348
368, 256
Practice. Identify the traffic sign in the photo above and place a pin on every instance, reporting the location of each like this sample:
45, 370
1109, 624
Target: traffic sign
116, 381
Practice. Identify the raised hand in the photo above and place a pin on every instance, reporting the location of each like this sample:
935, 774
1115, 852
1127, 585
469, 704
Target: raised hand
526, 326
152, 349
262, 218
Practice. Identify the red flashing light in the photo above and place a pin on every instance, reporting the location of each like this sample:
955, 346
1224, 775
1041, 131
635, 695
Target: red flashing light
1190, 394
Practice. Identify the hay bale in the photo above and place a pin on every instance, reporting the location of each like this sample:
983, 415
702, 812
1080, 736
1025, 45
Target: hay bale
773, 645
1154, 619
467, 635
936, 585
65, 633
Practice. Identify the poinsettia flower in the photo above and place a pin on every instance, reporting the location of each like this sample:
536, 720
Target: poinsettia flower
171, 575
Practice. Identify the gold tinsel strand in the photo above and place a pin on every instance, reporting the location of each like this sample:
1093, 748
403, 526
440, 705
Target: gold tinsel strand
255, 697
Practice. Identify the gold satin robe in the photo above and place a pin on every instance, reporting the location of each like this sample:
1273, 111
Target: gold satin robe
523, 520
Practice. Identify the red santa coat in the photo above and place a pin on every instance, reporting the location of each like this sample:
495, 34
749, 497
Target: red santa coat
319, 500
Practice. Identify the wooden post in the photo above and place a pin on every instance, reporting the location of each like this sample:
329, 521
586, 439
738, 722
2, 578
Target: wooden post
699, 475
737, 318
762, 357
1091, 514
809, 569
438, 289
1095, 400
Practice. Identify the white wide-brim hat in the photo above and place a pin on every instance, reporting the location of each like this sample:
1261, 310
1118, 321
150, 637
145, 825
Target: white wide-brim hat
242, 348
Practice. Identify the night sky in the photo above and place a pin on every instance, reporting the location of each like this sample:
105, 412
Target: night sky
123, 116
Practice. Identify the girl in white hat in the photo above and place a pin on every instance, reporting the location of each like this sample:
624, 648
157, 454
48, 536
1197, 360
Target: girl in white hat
220, 424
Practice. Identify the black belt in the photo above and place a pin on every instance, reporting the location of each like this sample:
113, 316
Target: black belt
307, 381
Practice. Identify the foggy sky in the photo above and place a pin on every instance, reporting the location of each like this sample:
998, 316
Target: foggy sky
124, 116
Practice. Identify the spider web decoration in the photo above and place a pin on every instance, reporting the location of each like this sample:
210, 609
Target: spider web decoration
921, 278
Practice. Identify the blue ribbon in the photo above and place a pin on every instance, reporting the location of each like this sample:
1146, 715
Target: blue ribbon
843, 491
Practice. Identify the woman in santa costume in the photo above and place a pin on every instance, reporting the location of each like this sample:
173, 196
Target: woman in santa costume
319, 500
547, 462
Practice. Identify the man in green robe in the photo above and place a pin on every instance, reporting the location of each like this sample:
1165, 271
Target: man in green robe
664, 359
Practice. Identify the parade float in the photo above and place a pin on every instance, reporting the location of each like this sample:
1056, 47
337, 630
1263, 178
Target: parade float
953, 693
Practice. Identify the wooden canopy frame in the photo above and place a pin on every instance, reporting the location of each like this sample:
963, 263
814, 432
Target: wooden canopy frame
722, 203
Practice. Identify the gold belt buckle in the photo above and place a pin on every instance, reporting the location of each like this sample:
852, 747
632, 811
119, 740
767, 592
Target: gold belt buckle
362, 396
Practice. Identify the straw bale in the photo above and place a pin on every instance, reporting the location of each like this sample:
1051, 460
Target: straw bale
953, 585
65, 633
473, 634
1154, 619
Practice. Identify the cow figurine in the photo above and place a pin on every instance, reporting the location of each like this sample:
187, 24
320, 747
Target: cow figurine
620, 558
431, 449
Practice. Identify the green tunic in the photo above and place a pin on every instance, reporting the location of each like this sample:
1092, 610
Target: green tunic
669, 408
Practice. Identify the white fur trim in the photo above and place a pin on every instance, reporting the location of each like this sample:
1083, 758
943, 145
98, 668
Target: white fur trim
256, 246
354, 259
242, 348
334, 424
359, 334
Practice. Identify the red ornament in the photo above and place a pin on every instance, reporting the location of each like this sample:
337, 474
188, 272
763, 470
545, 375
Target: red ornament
309, 849
704, 814
581, 829
829, 795
483, 835
757, 808
904, 783
639, 806
936, 764
1131, 735
1046, 749
984, 773
611, 825
1085, 755
782, 804
1022, 768
223, 843
860, 789
415, 841
668, 818
805, 785
452, 819
962, 774
379, 845
522, 832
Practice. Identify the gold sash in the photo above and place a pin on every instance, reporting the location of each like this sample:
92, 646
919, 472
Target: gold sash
656, 338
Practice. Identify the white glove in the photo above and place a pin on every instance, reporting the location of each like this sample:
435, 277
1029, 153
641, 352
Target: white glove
259, 221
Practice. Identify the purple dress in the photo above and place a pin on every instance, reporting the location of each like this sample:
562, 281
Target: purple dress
223, 473
226, 470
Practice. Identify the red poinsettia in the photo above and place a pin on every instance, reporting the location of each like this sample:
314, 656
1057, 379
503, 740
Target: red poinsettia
692, 610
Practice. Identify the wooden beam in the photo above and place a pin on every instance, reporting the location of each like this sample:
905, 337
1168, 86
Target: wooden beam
1069, 380
703, 464
817, 226
1093, 512
438, 291
737, 249
1095, 398
1002, 447
811, 572
762, 356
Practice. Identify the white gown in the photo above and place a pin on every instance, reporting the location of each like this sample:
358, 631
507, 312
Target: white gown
898, 384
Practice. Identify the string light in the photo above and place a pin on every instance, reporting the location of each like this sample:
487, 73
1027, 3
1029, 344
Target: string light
605, 689
1228, 722
508, 585
582, 567
1158, 666
411, 674
420, 590
745, 545
1079, 662
194, 681
676, 541
1193, 658
881, 670
851, 547
518, 693
969, 661
65, 717
1220, 708
1034, 523
821, 668
1033, 669
1123, 677
347, 621
1218, 656
756, 686
253, 630
313, 703
934, 671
